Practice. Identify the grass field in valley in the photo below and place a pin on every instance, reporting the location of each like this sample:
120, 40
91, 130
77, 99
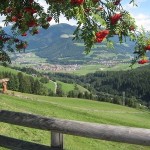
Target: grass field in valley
50, 85
66, 87
85, 69
73, 109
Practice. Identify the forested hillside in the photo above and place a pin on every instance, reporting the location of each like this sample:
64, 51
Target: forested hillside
135, 83
34, 82
24, 83
109, 86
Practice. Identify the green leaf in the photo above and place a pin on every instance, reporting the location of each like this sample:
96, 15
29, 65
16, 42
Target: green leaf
110, 44
99, 19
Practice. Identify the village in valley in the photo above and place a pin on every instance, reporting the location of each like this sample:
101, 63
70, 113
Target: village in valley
41, 64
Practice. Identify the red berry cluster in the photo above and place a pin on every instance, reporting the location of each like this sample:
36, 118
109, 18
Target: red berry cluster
49, 18
21, 46
117, 2
131, 28
8, 10
4, 39
101, 35
30, 10
143, 61
77, 2
114, 19
24, 34
147, 47
32, 23
31, 1
14, 19
87, 10
26, 18
35, 32
18, 44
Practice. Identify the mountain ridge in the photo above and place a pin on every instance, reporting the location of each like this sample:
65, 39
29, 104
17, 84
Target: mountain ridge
56, 45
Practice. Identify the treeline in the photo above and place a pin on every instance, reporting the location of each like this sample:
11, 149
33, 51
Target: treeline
135, 83
28, 84
24, 83
109, 86
75, 93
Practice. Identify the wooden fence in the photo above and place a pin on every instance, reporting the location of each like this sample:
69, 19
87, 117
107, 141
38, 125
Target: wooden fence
58, 127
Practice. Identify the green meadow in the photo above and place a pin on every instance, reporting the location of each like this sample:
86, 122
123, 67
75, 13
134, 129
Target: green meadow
66, 87
6, 69
72, 109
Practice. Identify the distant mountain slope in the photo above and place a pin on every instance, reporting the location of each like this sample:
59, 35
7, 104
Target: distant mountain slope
56, 45
62, 49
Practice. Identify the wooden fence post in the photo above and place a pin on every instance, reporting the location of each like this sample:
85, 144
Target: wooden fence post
57, 140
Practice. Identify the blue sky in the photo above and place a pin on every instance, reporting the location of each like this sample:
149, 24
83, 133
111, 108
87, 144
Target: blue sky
140, 13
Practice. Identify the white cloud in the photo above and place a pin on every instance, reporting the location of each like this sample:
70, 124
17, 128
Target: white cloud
62, 18
143, 20
1, 19
1, 24
42, 3
67, 36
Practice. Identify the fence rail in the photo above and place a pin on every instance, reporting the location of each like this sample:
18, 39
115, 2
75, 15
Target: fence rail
59, 127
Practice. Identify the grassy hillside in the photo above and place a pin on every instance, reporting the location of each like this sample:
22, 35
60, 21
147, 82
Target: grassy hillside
50, 85
73, 109
66, 87
6, 69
